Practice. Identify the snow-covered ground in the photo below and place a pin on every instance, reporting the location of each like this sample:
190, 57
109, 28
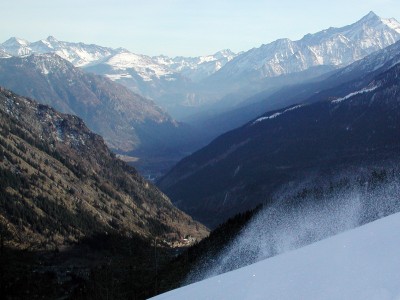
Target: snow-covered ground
273, 116
363, 91
363, 263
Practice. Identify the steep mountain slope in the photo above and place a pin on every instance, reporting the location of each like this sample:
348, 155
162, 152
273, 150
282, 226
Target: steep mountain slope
4, 54
301, 213
358, 264
218, 123
126, 120
353, 123
60, 184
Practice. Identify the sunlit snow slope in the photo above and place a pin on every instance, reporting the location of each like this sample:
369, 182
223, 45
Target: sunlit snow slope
363, 263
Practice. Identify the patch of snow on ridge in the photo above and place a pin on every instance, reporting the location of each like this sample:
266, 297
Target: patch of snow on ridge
144, 65
115, 77
273, 116
363, 91
392, 23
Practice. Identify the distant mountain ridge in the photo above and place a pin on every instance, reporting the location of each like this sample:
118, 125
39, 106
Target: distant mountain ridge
349, 119
333, 46
126, 120
82, 55
79, 54
218, 123
187, 85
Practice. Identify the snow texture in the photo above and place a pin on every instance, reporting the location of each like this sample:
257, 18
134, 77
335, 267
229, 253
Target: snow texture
363, 91
363, 263
148, 68
273, 116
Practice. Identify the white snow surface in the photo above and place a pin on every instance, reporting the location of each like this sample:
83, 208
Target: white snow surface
392, 23
144, 65
365, 90
273, 116
363, 263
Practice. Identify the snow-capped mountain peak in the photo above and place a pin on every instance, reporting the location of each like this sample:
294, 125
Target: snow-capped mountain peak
145, 66
197, 68
370, 16
79, 54
148, 68
14, 41
335, 47
50, 43
51, 39
16, 46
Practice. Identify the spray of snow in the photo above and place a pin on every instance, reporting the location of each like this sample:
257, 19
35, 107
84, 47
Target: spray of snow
362, 263
304, 219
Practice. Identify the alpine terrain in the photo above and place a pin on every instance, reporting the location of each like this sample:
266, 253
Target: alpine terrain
354, 123
262, 72
185, 86
317, 271
71, 212
115, 165
128, 122
60, 183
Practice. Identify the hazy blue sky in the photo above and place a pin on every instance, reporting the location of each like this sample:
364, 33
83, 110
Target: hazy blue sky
181, 27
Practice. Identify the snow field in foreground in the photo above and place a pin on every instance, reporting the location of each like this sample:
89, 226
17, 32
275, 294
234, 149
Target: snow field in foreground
363, 263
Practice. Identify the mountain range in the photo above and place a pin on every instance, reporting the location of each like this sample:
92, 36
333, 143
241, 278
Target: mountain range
215, 88
148, 76
189, 85
129, 123
284, 63
351, 118
216, 123
148, 68
333, 46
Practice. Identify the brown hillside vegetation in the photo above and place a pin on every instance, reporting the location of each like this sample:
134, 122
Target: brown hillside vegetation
60, 183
